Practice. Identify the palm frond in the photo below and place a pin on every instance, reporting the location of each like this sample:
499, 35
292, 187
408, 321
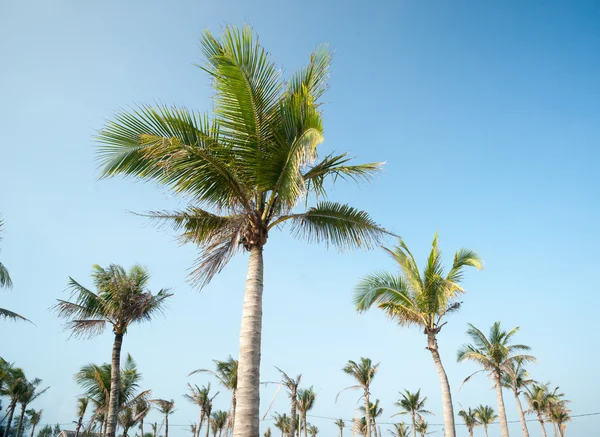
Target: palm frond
11, 315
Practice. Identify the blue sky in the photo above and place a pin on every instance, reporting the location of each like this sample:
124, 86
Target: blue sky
487, 114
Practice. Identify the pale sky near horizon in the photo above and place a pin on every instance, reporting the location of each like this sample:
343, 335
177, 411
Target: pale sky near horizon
487, 114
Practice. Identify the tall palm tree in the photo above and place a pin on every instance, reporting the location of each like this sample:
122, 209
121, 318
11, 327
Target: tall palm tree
292, 385
340, 424
485, 416
245, 170
34, 419
121, 300
141, 408
422, 427
413, 404
517, 379
360, 425
538, 399
313, 430
15, 384
226, 373
470, 418
559, 415
556, 402
219, 421
82, 405
29, 394
306, 402
201, 397
374, 412
6, 282
282, 422
420, 300
363, 372
166, 408
400, 430
495, 355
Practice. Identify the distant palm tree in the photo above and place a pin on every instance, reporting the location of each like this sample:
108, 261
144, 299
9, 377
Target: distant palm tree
420, 300
400, 430
268, 432
374, 412
306, 402
121, 300
219, 421
226, 373
201, 397
313, 430
46, 431
422, 427
193, 429
82, 404
127, 420
34, 419
340, 424
292, 385
485, 415
363, 372
360, 425
14, 385
154, 427
495, 355
413, 404
29, 394
282, 422
166, 408
141, 408
246, 170
559, 415
470, 418
6, 282
517, 379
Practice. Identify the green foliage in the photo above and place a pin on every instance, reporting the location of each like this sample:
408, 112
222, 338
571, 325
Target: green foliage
45, 431
485, 415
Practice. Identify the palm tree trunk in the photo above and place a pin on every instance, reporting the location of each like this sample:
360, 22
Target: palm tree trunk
541, 419
22, 415
485, 428
521, 414
414, 425
79, 422
293, 418
33, 429
167, 425
10, 418
553, 429
207, 423
248, 389
142, 427
470, 432
305, 427
115, 382
368, 412
432, 345
501, 409
200, 424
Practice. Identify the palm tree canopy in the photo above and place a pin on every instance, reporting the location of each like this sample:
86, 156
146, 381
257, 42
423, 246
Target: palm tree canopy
374, 409
400, 430
540, 399
34, 416
421, 427
363, 372
246, 167
494, 354
516, 376
340, 423
414, 298
164, 406
306, 399
470, 418
485, 414
219, 419
313, 430
121, 299
225, 372
412, 403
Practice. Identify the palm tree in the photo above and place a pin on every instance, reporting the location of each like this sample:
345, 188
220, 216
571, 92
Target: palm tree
219, 421
268, 432
15, 384
363, 373
245, 170
127, 419
411, 403
306, 402
141, 408
555, 403
423, 301
559, 415
422, 427
82, 404
292, 385
201, 397
400, 430
485, 416
226, 373
6, 282
374, 411
166, 408
282, 422
538, 399
470, 418
495, 355
313, 430
360, 425
193, 429
340, 424
154, 427
121, 300
517, 379
34, 419
46, 431
29, 394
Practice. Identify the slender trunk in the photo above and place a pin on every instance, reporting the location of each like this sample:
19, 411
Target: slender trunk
304, 426
200, 425
368, 412
521, 414
20, 425
553, 428
231, 416
470, 432
432, 345
79, 422
207, 423
167, 425
33, 429
414, 425
115, 382
11, 413
293, 412
501, 409
485, 428
541, 419
155, 428
248, 389
142, 427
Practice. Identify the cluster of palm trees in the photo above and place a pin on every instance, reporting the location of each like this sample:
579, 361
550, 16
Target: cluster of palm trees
21, 393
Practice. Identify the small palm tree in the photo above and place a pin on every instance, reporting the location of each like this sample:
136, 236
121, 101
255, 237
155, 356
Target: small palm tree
154, 427
246, 170
201, 397
219, 421
422, 427
166, 408
363, 373
6, 282
121, 300
127, 420
360, 425
34, 419
485, 416
292, 385
424, 300
470, 418
539, 399
374, 412
313, 430
282, 422
400, 430
495, 355
15, 384
340, 424
141, 408
82, 405
413, 404
306, 402
517, 379
268, 432
559, 415
29, 394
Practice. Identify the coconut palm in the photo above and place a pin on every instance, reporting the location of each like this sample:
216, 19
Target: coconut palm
193, 429
516, 378
154, 427
400, 430
422, 427
14, 386
226, 373
34, 419
340, 424
559, 415
282, 422
360, 425
268, 432
6, 282
420, 300
141, 408
413, 404
245, 170
219, 421
201, 397
363, 373
313, 430
82, 405
127, 419
29, 394
166, 408
555, 403
46, 431
374, 411
306, 402
485, 416
470, 418
292, 385
121, 300
495, 355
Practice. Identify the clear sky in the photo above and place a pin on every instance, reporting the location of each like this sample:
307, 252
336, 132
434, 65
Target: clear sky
487, 114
